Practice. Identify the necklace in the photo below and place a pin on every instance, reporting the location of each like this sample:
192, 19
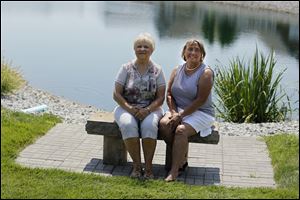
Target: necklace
191, 69
142, 69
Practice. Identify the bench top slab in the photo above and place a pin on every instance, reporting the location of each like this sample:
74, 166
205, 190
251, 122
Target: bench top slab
104, 124
107, 117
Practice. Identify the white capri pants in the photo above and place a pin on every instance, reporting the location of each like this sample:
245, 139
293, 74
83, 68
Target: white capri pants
131, 127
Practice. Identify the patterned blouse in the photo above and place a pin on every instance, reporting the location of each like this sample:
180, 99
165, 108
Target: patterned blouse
139, 90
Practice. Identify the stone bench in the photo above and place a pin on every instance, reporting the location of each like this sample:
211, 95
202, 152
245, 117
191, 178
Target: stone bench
114, 151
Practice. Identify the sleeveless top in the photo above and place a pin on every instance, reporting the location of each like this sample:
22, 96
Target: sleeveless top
185, 87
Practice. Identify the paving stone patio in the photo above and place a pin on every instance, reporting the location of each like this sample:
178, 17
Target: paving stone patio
241, 161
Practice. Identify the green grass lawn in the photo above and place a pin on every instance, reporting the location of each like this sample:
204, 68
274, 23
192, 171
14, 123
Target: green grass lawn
19, 130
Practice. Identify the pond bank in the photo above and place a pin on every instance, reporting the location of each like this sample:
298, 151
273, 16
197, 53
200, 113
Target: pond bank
73, 112
278, 6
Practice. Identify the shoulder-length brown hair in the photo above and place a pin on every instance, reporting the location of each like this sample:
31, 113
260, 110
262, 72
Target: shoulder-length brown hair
191, 41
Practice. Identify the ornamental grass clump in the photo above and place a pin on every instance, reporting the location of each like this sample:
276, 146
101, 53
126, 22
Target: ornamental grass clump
11, 78
250, 93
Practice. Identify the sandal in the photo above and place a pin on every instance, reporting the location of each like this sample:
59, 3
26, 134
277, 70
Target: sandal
135, 174
148, 176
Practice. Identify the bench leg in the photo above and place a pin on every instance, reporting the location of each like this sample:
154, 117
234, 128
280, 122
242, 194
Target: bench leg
114, 151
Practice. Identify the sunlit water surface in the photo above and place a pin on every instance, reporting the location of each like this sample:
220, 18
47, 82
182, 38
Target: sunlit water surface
74, 49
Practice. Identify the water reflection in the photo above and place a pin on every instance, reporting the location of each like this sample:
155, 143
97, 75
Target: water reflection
129, 14
74, 49
217, 23
290, 36
224, 26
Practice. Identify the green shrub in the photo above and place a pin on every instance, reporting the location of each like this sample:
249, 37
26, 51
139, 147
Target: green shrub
249, 93
11, 78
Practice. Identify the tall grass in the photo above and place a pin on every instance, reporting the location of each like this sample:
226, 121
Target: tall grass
11, 78
250, 93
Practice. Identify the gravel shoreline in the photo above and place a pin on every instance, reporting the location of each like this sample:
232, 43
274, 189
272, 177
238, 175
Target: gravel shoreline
73, 112
291, 7
27, 97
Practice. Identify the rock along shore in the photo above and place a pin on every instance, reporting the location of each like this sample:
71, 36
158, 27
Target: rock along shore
291, 7
73, 112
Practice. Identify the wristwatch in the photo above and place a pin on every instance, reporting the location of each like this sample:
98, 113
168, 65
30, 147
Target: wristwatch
147, 108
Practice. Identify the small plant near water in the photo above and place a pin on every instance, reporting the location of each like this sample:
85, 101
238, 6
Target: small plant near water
11, 78
251, 93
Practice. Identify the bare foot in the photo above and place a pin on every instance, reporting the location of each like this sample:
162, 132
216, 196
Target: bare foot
171, 177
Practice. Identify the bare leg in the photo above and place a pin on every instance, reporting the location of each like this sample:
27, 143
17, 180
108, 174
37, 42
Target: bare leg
149, 146
168, 135
186, 155
179, 152
133, 148
165, 130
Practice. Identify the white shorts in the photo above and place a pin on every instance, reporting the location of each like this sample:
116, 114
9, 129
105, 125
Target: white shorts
200, 121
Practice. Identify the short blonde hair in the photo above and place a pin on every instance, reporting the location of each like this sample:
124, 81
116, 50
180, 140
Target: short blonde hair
191, 41
145, 37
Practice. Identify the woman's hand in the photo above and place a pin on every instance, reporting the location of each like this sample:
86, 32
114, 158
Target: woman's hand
142, 113
175, 120
133, 110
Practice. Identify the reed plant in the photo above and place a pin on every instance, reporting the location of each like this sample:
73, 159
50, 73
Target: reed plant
11, 78
251, 92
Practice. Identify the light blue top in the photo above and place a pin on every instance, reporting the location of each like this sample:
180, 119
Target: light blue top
185, 88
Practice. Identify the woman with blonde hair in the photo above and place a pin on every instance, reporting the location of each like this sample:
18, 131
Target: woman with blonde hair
139, 91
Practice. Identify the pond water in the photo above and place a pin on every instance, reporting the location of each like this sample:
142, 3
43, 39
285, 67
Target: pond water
75, 49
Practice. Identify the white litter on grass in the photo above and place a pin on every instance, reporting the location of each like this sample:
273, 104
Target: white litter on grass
36, 109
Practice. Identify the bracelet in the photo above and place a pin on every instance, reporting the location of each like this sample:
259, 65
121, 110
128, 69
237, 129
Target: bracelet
147, 108
179, 114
